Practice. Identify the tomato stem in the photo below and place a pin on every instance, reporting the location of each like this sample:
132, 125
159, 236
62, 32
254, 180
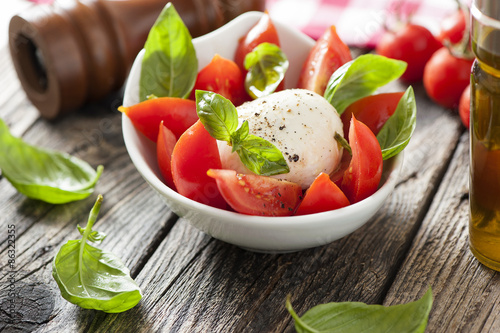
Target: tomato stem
343, 142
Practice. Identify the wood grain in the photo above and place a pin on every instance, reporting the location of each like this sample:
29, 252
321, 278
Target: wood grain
466, 293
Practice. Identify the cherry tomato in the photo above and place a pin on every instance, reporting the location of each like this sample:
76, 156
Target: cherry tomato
464, 107
164, 148
177, 114
194, 153
363, 176
223, 77
257, 195
263, 31
323, 195
453, 28
413, 44
373, 111
326, 56
446, 77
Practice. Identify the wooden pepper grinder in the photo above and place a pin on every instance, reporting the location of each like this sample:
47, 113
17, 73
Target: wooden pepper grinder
73, 52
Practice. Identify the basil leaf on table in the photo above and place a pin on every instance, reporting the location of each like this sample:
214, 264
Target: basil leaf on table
220, 118
361, 77
266, 66
169, 66
396, 133
355, 317
50, 176
92, 278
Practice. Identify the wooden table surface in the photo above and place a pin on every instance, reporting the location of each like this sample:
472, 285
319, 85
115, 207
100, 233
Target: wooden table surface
194, 283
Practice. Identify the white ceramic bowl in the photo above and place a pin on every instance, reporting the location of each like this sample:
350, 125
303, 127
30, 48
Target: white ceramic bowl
256, 233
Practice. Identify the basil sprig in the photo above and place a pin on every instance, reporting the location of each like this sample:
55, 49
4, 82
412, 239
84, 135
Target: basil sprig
92, 278
361, 77
52, 176
395, 135
169, 66
220, 118
347, 317
266, 66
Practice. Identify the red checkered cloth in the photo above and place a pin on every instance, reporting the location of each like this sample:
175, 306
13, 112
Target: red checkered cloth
358, 22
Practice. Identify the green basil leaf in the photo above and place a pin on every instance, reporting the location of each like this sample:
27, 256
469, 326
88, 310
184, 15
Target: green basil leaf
92, 278
239, 135
51, 176
266, 66
94, 236
261, 157
396, 133
169, 66
218, 114
347, 317
361, 77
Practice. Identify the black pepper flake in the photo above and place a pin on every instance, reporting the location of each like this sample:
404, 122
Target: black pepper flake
257, 114
293, 158
282, 127
282, 205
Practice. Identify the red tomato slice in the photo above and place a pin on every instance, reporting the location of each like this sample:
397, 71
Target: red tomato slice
164, 148
327, 55
323, 195
363, 176
257, 195
373, 111
223, 77
178, 115
337, 175
194, 153
264, 31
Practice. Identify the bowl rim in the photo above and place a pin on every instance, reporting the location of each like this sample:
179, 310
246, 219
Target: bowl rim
265, 222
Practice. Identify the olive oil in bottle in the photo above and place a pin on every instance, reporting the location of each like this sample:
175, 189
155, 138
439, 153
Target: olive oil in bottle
484, 224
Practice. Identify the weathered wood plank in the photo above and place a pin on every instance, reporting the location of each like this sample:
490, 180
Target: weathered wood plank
466, 293
133, 217
195, 284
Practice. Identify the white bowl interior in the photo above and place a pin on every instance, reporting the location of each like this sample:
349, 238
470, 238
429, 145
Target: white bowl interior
257, 233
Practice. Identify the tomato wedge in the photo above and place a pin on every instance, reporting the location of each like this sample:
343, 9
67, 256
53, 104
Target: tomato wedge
337, 175
257, 195
178, 115
223, 77
194, 153
323, 195
373, 111
363, 176
164, 148
326, 56
262, 32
